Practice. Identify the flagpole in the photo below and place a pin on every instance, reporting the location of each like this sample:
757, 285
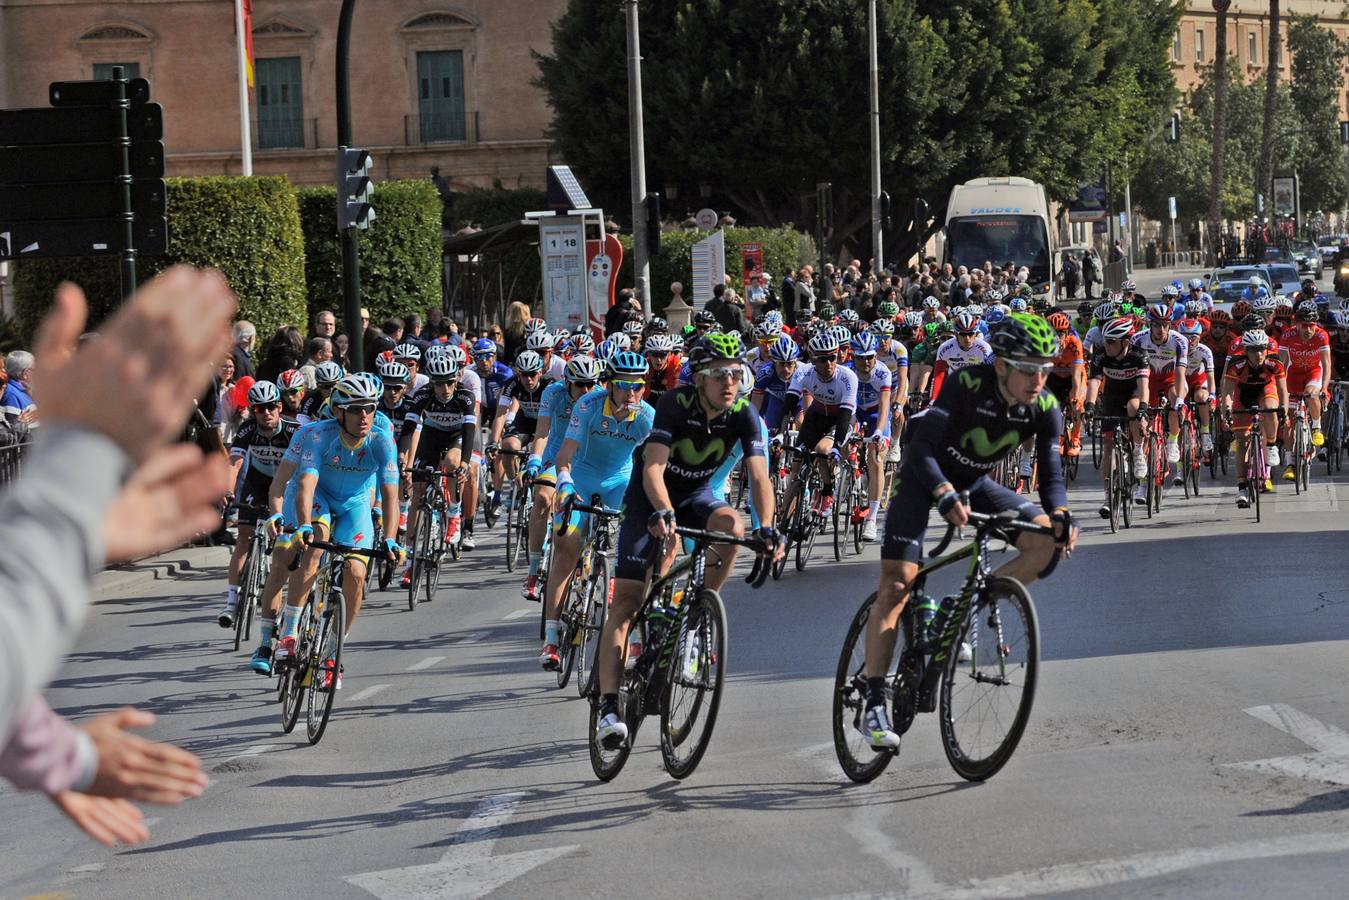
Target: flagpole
246, 138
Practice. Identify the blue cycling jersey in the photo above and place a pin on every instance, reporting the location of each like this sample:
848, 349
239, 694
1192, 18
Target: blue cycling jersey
774, 391
556, 407
343, 471
491, 388
605, 444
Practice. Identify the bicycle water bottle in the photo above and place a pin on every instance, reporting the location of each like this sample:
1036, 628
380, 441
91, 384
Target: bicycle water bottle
925, 608
938, 623
692, 653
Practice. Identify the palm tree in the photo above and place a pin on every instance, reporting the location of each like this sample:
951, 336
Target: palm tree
1219, 129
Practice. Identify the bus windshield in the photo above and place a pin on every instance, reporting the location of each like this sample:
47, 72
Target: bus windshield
973, 240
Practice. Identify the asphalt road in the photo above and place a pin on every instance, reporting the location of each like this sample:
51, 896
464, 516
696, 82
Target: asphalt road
1186, 741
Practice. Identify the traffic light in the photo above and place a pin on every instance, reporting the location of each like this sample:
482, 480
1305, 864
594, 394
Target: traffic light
354, 189
1344, 132
652, 224
1173, 129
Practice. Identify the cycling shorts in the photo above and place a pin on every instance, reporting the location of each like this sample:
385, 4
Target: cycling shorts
869, 420
637, 549
1061, 388
433, 445
1113, 407
548, 477
253, 489
1198, 381
610, 490
814, 429
906, 520
1308, 382
1157, 390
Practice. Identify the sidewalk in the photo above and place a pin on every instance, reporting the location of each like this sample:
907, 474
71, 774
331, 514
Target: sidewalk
175, 564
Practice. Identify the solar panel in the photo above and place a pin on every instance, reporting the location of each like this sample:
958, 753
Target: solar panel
564, 191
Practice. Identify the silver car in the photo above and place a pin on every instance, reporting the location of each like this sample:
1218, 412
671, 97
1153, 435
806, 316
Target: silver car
1308, 259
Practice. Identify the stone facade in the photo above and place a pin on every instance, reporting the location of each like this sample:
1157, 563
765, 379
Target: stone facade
186, 48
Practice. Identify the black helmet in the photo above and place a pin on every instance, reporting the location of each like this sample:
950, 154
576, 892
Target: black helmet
703, 317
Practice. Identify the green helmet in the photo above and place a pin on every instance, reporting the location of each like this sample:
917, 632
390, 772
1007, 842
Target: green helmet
826, 311
888, 310
1023, 336
714, 348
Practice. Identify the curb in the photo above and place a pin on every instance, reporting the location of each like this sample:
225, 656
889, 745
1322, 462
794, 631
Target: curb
173, 564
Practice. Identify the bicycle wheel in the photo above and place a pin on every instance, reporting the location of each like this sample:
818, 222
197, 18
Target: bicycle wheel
1095, 431
1112, 493
693, 684
860, 491
434, 557
1296, 458
328, 639
608, 763
840, 514
545, 563
808, 529
985, 703
1304, 459
1186, 456
590, 628
788, 525
860, 761
421, 548
489, 518
243, 598
573, 608
515, 526
296, 667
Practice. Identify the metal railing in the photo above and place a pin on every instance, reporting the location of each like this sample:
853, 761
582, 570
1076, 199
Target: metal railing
441, 129
285, 134
11, 460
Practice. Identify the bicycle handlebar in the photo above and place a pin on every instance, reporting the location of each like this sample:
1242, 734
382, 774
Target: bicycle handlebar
762, 565
1005, 523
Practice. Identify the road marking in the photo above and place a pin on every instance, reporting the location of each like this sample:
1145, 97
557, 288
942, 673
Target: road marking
426, 663
518, 614
469, 637
367, 693
255, 750
86, 869
467, 870
1331, 761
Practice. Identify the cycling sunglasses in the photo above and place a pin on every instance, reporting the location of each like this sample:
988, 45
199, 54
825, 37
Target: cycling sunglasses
267, 407
628, 385
826, 358
1030, 368
365, 409
587, 385
726, 373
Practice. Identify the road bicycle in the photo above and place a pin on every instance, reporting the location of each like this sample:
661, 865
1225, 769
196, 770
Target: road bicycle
1120, 488
379, 573
680, 672
1191, 456
1154, 450
257, 565
426, 550
517, 507
849, 475
1335, 426
581, 621
1302, 452
490, 514
983, 704
1070, 460
798, 520
1255, 464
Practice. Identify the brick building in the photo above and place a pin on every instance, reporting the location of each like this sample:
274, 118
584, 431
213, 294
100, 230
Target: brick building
433, 84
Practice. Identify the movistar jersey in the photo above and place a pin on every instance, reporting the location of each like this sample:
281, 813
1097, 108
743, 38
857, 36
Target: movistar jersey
699, 446
970, 427
605, 444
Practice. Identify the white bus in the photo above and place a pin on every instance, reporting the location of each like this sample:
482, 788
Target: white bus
1001, 219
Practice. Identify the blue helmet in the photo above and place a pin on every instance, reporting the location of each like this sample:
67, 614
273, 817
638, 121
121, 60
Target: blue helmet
864, 344
607, 349
626, 362
1018, 304
484, 347
784, 349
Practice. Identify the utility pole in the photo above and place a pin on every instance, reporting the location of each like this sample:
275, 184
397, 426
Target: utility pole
351, 261
641, 264
876, 237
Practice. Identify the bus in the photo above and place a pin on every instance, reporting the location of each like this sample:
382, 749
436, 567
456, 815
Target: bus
1001, 219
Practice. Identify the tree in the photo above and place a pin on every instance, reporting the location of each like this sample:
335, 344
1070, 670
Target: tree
1265, 171
1318, 59
1219, 126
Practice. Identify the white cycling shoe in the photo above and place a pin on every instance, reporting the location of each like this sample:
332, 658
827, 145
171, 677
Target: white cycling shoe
611, 732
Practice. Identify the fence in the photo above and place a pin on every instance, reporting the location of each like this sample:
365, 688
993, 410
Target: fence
11, 458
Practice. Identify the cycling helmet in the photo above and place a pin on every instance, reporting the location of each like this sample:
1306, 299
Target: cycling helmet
528, 362
358, 387
1023, 336
1085, 309
584, 368
628, 363
1341, 318
767, 331
1240, 310
1059, 321
849, 317
658, 343
632, 328
993, 295
394, 373
678, 343
964, 323
1105, 310
826, 311
1159, 313
824, 342
1120, 329
291, 380
703, 317
1018, 304
784, 349
913, 319
1194, 308
1189, 327
841, 334
883, 328
583, 344
539, 341
1128, 287
607, 349
931, 330
327, 372
657, 325
1252, 321
437, 349
714, 348
407, 350
1308, 284
1282, 299
534, 326
620, 340
442, 368
931, 303
562, 345
995, 315
1219, 317
1170, 291
1254, 338
484, 347
1307, 311
262, 393
975, 309
888, 309
1196, 284
864, 344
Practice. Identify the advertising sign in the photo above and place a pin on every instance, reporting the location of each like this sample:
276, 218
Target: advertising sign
709, 266
1285, 196
1089, 205
562, 245
602, 264
751, 263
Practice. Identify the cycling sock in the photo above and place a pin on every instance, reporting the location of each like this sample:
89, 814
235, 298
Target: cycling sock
534, 565
875, 691
1173, 438
608, 705
455, 510
233, 594
290, 620
1316, 424
267, 629
550, 631
468, 526
873, 507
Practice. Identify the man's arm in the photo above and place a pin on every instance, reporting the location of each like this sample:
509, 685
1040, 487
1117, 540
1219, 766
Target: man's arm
654, 459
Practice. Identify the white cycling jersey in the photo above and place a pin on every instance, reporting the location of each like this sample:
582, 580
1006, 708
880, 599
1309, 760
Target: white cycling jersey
839, 392
1200, 360
869, 389
894, 358
956, 359
1167, 357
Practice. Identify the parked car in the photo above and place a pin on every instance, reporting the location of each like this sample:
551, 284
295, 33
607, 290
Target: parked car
1308, 260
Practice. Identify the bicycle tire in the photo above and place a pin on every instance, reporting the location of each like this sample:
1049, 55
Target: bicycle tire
861, 490
787, 528
842, 500
996, 589
545, 563
1096, 454
329, 640
1186, 456
705, 620
574, 601
806, 546
292, 694
421, 543
514, 527
241, 599
1296, 460
1112, 493
606, 764
435, 555
592, 628
860, 762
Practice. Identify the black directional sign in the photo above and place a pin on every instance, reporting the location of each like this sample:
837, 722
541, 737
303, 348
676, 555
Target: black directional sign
79, 237
96, 93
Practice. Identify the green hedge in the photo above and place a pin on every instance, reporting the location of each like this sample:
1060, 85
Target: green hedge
485, 207
400, 252
783, 248
248, 228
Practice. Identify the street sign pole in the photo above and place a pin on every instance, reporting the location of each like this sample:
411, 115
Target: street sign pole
351, 260
128, 253
877, 249
641, 264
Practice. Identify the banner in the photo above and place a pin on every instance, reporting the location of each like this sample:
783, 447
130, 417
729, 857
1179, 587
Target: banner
709, 266
751, 263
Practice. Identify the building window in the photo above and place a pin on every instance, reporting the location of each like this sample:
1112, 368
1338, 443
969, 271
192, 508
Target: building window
440, 95
280, 102
103, 71
1175, 47
1252, 49
1199, 45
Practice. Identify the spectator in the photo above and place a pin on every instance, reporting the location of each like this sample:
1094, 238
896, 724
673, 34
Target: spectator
284, 351
325, 324
342, 351
245, 336
625, 306
16, 402
433, 316
1069, 275
731, 316
412, 332
517, 314
1116, 252
788, 291
393, 329
959, 290
1089, 274
805, 293
317, 350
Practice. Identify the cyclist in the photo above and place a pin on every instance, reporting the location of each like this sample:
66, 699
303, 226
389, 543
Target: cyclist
344, 459
1339, 346
516, 419
1118, 379
694, 429
291, 385
772, 381
410, 355
1308, 347
596, 459
1218, 339
1256, 380
663, 365
966, 349
1068, 380
828, 420
326, 376
440, 427
395, 401
891, 353
493, 375
983, 414
581, 376
874, 396
257, 448
1168, 354
1198, 293
766, 334
1200, 382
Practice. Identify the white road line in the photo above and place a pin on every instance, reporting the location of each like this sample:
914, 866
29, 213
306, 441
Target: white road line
367, 693
1329, 764
519, 614
255, 750
467, 870
470, 637
426, 663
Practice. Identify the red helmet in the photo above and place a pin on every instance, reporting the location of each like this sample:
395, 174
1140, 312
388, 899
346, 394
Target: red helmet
1240, 309
1058, 321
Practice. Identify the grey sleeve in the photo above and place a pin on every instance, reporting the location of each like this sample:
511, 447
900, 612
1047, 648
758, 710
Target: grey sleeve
51, 530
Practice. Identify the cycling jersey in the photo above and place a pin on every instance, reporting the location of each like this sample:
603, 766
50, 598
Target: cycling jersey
893, 355
773, 390
1119, 381
658, 381
492, 386
309, 407
869, 391
1070, 357
1304, 354
1236, 351
346, 477
261, 453
451, 416
605, 444
951, 357
1199, 365
556, 404
526, 420
1094, 340
1255, 383
397, 415
831, 396
1166, 358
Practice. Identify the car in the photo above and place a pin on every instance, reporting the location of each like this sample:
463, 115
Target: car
1283, 276
1328, 245
1276, 253
1226, 285
1308, 260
